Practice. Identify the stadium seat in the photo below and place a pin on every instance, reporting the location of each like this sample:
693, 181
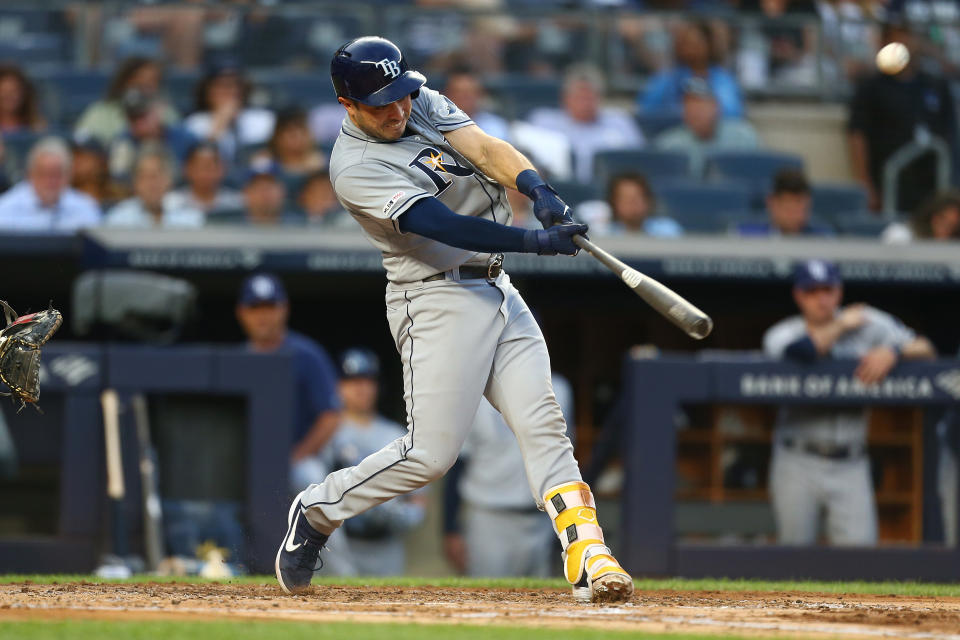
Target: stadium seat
702, 207
180, 86
573, 193
16, 148
655, 165
67, 92
653, 124
518, 94
755, 169
829, 200
293, 89
861, 223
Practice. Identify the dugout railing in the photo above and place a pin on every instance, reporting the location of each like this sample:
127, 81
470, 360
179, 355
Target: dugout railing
658, 388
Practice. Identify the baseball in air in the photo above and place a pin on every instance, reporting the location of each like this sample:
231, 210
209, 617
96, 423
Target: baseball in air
893, 58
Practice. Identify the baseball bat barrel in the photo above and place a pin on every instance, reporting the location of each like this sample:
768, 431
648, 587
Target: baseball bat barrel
694, 322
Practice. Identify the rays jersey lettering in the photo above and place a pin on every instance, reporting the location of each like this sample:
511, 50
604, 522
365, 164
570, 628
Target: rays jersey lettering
432, 163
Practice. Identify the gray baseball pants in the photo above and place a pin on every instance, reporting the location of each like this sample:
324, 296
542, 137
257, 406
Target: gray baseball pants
802, 483
458, 340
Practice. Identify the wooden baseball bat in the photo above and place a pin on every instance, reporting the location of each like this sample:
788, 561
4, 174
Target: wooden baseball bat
152, 511
116, 490
666, 302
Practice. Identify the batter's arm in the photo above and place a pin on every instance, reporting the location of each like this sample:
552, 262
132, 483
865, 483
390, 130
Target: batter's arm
502, 162
496, 158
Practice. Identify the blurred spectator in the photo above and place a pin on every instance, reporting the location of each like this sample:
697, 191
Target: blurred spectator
937, 219
19, 105
522, 208
291, 146
90, 174
104, 120
487, 499
703, 129
204, 191
144, 117
820, 453
888, 112
319, 203
693, 52
263, 311
45, 201
588, 126
789, 43
222, 114
788, 208
152, 204
264, 196
465, 90
630, 207
376, 536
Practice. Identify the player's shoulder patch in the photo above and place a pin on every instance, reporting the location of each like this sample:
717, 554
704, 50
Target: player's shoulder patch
394, 199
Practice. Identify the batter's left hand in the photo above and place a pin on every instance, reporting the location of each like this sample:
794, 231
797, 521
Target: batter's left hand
549, 208
875, 365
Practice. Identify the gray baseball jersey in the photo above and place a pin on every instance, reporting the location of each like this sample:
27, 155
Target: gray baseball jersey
833, 426
377, 180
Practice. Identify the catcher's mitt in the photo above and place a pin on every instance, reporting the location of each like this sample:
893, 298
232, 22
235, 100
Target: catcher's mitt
20, 344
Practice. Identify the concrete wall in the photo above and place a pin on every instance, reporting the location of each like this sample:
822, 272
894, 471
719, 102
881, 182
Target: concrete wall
815, 131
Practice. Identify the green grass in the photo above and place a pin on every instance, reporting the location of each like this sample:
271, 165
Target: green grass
243, 630
677, 584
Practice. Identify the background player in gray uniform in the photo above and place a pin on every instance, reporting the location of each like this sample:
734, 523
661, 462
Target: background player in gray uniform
427, 187
376, 540
820, 454
490, 482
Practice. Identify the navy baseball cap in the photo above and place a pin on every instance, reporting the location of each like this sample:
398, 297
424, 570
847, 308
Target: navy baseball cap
260, 168
262, 288
816, 273
359, 363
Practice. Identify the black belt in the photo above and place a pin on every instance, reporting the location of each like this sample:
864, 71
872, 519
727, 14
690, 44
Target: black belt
489, 272
829, 451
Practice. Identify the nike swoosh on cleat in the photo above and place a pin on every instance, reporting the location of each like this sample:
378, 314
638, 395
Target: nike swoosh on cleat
288, 545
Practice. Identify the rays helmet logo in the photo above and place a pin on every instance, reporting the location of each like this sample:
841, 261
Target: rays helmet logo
389, 67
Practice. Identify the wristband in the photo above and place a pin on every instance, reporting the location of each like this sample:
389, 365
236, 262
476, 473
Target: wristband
528, 180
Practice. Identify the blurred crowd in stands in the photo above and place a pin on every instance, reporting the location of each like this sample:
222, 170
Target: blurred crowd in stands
198, 127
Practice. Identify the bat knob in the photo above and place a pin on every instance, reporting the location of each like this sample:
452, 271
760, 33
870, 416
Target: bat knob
701, 328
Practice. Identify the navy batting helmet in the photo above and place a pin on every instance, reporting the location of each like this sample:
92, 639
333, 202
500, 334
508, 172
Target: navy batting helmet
373, 71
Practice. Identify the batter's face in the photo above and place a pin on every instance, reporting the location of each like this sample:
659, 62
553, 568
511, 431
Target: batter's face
818, 305
385, 123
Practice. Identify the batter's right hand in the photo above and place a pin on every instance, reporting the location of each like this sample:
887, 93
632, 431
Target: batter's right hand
556, 239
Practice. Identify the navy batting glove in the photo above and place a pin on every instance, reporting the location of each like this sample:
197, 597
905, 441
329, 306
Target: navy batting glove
556, 239
547, 205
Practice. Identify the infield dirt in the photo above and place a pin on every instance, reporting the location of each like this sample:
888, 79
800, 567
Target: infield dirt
729, 613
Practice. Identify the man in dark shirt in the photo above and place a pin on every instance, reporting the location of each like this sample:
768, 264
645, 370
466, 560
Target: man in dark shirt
262, 311
788, 209
888, 112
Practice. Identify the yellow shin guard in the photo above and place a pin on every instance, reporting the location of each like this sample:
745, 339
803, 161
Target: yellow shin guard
588, 563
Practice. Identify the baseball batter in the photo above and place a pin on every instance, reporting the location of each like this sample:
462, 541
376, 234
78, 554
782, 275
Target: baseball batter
427, 187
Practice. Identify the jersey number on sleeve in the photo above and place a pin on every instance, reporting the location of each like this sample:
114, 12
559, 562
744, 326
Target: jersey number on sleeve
432, 163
